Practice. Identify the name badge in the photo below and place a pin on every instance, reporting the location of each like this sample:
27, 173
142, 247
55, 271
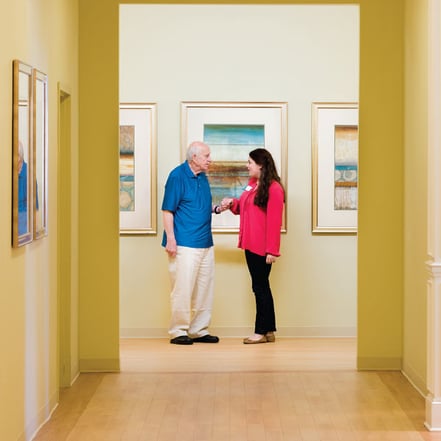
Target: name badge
248, 188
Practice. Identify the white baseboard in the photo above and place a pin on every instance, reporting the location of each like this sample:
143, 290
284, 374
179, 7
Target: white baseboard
414, 379
44, 415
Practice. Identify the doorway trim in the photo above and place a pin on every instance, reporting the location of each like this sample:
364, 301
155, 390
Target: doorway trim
64, 238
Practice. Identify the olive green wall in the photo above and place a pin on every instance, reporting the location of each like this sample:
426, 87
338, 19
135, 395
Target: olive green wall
98, 189
380, 240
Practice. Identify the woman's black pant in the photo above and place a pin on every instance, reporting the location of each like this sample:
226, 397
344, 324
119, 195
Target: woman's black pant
260, 271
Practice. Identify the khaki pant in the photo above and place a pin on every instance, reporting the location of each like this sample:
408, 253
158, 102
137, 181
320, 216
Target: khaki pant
192, 279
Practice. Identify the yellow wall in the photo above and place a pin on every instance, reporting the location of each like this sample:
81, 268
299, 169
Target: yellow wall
380, 271
98, 189
415, 184
380, 245
42, 33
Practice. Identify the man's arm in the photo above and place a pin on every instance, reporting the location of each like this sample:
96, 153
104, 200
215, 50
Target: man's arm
168, 220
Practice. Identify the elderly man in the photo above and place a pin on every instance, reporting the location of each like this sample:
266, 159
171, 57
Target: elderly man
187, 209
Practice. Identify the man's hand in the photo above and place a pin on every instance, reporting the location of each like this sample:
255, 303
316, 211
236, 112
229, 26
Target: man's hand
171, 247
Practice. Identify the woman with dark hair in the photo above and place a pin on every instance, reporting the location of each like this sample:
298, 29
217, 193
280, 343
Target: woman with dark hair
260, 207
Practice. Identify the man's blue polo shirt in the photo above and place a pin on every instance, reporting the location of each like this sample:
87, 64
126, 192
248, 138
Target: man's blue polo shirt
188, 197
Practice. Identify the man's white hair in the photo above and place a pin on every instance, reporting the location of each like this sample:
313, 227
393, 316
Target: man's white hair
194, 149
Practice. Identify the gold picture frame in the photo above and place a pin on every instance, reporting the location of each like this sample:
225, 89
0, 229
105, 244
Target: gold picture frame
22, 155
232, 130
138, 145
40, 152
334, 167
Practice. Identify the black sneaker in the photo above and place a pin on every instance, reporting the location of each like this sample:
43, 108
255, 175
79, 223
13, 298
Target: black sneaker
206, 339
182, 340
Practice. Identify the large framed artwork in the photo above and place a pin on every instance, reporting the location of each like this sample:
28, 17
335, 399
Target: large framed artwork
22, 155
137, 168
334, 168
232, 130
40, 152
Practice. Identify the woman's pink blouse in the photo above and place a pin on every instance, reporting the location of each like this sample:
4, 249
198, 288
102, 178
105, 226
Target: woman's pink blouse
259, 230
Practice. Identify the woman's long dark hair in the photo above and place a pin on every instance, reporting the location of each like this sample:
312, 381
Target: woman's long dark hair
268, 174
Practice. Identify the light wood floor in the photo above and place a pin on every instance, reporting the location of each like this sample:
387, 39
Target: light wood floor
290, 390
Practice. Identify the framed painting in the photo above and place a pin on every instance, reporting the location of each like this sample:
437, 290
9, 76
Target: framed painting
40, 151
22, 155
137, 168
232, 130
334, 168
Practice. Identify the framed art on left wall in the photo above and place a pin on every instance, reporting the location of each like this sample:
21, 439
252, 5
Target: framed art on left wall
22, 155
40, 152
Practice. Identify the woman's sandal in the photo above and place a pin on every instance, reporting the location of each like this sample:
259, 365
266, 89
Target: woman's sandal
249, 341
270, 337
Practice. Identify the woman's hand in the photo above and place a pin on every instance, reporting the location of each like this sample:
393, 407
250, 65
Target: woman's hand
270, 258
226, 203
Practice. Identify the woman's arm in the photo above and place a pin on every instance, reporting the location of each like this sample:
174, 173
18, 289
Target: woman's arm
274, 214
